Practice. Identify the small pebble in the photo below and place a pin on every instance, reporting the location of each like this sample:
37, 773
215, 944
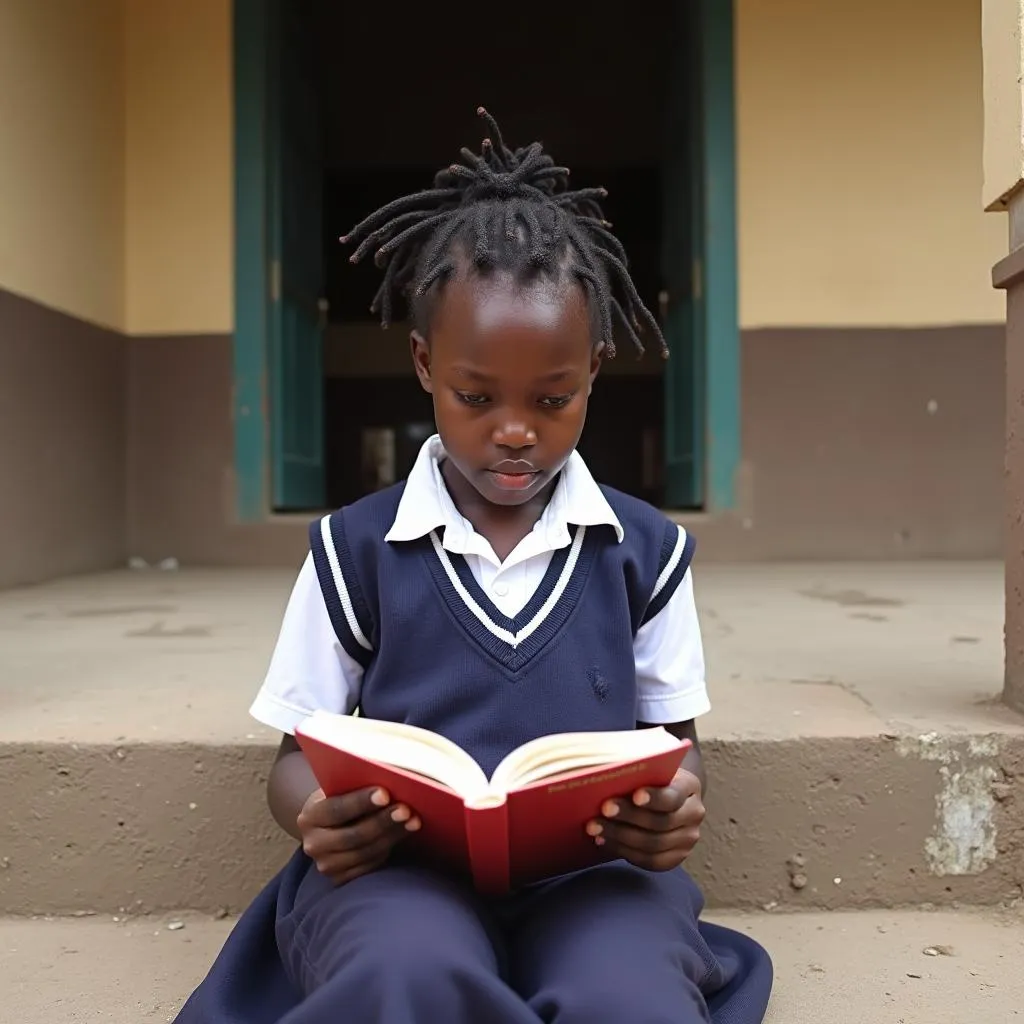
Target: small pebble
175, 926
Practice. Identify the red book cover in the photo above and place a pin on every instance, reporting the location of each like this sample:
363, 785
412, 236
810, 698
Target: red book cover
547, 820
535, 832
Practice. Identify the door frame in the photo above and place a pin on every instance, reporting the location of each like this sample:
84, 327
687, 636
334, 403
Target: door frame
250, 404
722, 353
250, 365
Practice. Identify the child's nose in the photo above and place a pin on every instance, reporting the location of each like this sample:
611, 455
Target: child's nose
515, 434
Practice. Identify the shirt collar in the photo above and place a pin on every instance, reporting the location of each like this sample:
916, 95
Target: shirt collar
426, 504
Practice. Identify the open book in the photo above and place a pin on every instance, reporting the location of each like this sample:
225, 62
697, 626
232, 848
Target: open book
527, 822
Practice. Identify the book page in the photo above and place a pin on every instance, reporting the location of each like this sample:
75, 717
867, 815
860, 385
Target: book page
403, 746
567, 752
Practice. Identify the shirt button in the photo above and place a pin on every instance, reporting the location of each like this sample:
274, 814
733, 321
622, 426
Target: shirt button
501, 589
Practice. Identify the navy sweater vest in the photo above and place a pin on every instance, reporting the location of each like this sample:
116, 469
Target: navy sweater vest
438, 654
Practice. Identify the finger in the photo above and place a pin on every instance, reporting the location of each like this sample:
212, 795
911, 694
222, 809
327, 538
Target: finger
625, 836
342, 863
343, 875
691, 812
333, 811
670, 797
392, 821
645, 850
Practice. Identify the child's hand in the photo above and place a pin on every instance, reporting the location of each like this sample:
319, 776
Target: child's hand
351, 835
658, 828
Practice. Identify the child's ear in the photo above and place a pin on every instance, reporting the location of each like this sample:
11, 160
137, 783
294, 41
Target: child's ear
421, 360
596, 359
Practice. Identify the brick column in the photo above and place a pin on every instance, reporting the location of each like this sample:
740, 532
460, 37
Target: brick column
1004, 193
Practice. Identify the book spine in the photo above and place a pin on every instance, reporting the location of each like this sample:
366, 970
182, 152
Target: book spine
487, 839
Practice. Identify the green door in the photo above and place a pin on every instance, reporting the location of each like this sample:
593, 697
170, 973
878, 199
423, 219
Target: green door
699, 302
298, 310
682, 308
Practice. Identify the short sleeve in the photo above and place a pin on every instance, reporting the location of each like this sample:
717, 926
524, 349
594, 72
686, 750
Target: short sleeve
309, 669
669, 655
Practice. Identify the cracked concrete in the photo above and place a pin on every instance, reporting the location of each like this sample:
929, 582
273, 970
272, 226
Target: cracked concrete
875, 751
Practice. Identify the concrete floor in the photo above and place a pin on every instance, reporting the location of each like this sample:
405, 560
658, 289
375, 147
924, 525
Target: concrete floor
857, 751
864, 967
792, 650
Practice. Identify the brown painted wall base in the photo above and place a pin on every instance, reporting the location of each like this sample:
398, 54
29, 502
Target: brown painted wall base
874, 444
62, 452
858, 444
180, 461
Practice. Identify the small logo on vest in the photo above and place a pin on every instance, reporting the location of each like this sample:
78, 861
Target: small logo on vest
597, 683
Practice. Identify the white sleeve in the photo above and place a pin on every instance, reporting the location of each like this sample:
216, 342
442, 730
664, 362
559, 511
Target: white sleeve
309, 669
669, 657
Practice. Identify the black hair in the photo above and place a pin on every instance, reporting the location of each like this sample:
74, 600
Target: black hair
502, 210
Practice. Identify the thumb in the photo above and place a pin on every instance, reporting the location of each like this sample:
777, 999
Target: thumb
313, 799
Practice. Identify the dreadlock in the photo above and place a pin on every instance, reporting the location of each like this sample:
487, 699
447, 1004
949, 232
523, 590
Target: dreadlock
508, 210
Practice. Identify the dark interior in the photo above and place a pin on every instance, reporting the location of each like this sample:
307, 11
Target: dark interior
397, 112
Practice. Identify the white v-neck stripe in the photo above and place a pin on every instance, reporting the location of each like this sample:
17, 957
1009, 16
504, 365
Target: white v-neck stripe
512, 639
670, 567
339, 583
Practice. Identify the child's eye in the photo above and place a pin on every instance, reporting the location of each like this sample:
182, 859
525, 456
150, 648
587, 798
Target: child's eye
470, 399
555, 401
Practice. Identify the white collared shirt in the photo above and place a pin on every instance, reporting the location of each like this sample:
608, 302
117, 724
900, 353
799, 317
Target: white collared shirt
310, 670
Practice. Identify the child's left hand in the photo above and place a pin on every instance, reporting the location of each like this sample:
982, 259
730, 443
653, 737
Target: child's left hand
658, 828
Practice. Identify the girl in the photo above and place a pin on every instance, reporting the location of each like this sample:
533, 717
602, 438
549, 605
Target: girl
498, 594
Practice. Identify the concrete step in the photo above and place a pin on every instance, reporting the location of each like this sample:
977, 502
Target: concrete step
910, 967
857, 754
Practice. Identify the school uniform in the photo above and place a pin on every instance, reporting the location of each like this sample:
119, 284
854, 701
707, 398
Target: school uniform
404, 611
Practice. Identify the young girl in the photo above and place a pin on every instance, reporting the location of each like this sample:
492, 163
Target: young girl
497, 595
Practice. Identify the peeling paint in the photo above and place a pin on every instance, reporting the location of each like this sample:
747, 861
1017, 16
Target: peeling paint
964, 839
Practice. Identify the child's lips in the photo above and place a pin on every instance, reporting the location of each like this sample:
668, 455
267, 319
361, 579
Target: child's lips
514, 481
514, 474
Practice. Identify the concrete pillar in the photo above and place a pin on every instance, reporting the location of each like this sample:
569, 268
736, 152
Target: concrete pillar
1004, 192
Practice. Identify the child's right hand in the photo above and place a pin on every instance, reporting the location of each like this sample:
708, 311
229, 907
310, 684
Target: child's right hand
351, 835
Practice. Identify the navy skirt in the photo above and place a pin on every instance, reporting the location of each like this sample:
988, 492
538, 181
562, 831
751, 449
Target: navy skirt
406, 945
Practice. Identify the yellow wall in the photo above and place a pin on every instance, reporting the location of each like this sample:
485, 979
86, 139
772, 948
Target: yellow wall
179, 194
62, 155
860, 164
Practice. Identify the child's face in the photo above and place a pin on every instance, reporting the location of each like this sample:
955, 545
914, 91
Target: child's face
510, 369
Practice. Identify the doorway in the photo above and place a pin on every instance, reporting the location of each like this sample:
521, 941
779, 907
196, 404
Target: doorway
358, 112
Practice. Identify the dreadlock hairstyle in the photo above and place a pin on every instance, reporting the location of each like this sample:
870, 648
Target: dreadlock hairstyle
502, 210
